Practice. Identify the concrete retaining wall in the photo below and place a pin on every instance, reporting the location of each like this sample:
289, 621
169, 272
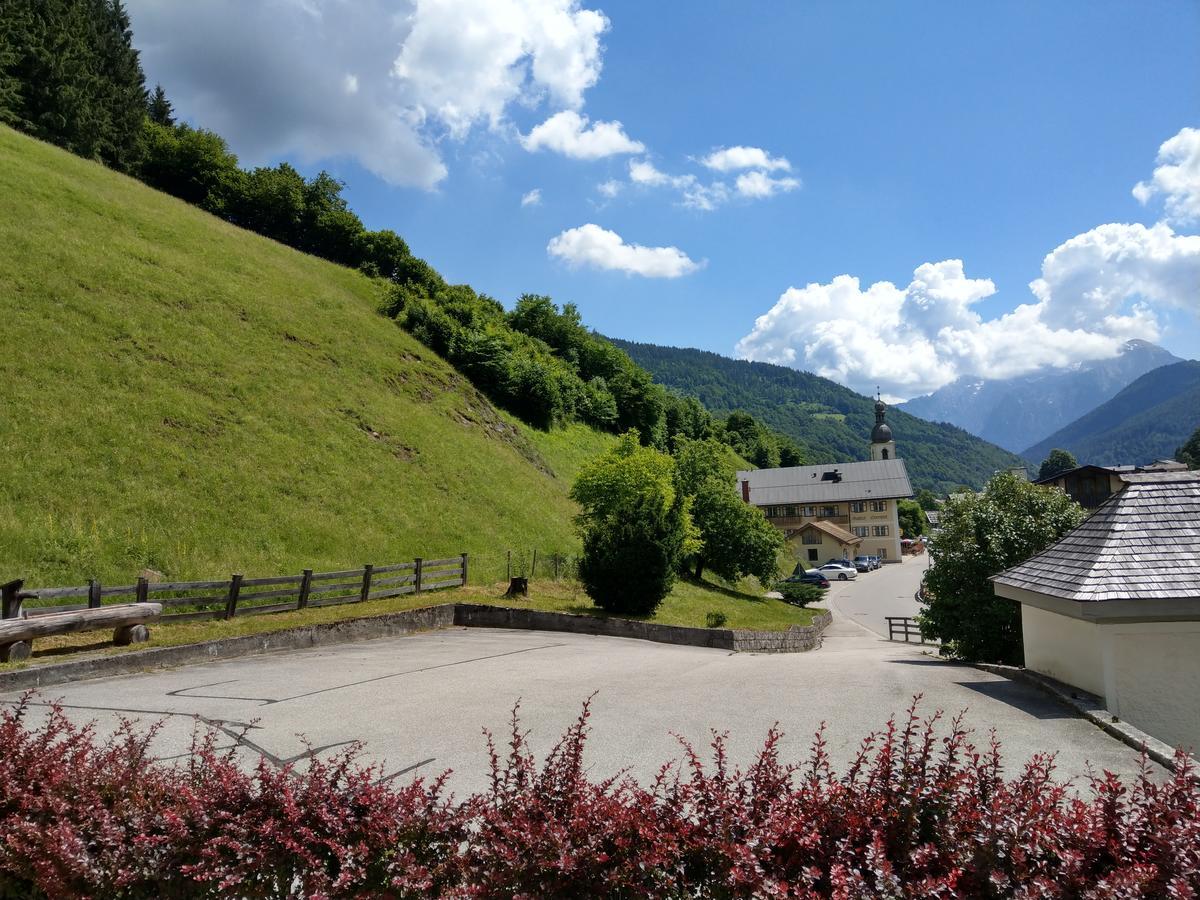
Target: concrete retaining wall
797, 639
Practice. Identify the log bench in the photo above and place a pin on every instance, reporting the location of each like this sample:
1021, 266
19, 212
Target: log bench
128, 621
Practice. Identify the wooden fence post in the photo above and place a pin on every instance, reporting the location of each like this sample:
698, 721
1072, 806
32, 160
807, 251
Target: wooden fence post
533, 565
418, 579
508, 571
366, 585
93, 594
235, 588
557, 557
305, 588
464, 569
10, 608
143, 589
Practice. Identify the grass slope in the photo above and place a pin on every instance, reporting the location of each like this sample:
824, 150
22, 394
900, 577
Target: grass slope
832, 422
1148, 420
182, 395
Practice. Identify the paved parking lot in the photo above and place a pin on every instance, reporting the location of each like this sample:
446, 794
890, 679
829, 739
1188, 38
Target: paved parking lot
418, 703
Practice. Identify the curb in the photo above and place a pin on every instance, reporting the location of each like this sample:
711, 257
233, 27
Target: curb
797, 639
1092, 708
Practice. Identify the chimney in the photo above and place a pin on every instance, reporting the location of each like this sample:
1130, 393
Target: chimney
746, 491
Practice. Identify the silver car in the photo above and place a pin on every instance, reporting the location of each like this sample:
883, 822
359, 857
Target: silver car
841, 571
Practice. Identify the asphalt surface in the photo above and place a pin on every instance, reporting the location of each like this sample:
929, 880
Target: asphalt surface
419, 703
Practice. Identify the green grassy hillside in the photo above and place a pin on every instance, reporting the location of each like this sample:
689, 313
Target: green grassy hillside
831, 422
182, 395
1146, 421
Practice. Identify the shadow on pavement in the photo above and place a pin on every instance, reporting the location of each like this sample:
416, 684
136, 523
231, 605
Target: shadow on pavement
1021, 697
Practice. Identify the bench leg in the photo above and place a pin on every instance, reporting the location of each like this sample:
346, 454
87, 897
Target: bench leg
130, 634
16, 651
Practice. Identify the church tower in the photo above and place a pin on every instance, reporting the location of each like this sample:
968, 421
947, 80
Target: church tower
882, 445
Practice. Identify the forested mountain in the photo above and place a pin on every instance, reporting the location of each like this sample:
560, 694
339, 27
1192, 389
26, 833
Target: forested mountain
1146, 421
832, 423
1017, 412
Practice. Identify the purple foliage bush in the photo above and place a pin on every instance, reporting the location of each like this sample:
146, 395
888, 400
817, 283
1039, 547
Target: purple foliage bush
914, 815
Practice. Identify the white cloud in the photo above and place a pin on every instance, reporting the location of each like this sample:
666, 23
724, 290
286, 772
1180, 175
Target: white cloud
731, 159
533, 198
759, 185
379, 81
1094, 294
569, 133
1177, 177
596, 247
609, 188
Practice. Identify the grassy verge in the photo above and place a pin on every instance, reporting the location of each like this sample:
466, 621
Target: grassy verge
688, 604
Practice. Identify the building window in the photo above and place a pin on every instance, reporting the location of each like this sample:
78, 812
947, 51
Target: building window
810, 511
790, 512
829, 510
812, 536
885, 453
858, 506
861, 531
881, 552
880, 531
812, 555
878, 506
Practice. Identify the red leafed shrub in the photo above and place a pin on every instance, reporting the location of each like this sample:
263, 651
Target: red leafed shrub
918, 813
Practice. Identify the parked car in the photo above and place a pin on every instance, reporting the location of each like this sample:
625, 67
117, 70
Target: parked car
842, 571
863, 563
812, 576
876, 561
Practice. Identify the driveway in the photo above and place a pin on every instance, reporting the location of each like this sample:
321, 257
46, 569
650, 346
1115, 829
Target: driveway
418, 703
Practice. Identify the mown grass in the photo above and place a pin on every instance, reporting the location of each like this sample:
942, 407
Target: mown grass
185, 396
688, 604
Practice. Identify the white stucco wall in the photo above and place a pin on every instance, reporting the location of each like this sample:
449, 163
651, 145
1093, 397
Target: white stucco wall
1147, 672
1155, 679
1069, 650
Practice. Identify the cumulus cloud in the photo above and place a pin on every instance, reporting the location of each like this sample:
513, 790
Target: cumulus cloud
1176, 178
596, 247
731, 159
760, 185
569, 133
378, 81
533, 198
1093, 295
609, 188
692, 192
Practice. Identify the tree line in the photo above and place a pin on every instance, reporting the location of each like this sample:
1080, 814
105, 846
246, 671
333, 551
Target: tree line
70, 75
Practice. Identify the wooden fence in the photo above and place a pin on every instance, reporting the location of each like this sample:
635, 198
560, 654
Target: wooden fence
238, 595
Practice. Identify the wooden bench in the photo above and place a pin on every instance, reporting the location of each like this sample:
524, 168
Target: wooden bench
128, 621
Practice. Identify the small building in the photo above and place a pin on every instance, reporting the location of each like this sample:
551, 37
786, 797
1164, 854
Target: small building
1114, 607
820, 540
1089, 485
859, 498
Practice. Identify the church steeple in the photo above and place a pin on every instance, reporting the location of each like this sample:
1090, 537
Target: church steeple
882, 445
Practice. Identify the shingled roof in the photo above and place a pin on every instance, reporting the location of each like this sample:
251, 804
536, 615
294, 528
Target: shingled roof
839, 534
1143, 543
876, 480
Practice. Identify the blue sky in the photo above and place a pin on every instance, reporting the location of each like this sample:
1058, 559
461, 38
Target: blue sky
918, 133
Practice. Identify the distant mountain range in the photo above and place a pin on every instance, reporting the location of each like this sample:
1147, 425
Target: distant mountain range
1146, 421
832, 422
1017, 413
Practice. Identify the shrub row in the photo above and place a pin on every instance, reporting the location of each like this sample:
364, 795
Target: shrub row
914, 815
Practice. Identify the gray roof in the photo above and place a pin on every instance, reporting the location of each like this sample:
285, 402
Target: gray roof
1143, 543
878, 480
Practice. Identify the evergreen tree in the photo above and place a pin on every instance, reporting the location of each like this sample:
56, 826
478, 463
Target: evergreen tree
1189, 453
159, 108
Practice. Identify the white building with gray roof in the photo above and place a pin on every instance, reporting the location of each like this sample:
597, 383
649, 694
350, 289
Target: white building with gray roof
860, 497
1114, 607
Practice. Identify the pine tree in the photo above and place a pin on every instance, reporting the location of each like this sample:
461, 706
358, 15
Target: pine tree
159, 108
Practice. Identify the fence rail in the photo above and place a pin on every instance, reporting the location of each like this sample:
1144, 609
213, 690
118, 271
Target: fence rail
905, 627
236, 595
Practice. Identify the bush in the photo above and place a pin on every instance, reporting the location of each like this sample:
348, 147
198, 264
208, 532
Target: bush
918, 813
628, 563
715, 619
799, 594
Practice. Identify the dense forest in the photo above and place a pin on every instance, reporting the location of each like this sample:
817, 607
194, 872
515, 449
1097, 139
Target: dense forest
1148, 420
830, 422
70, 75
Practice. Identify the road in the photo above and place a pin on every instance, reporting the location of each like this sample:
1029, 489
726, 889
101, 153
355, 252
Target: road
888, 591
418, 703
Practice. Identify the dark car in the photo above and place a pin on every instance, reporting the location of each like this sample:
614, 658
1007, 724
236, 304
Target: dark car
863, 563
812, 576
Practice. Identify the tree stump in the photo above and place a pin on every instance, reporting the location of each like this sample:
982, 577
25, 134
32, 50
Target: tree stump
517, 587
16, 651
130, 634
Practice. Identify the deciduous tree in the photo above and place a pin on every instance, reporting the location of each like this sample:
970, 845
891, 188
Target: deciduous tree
1056, 462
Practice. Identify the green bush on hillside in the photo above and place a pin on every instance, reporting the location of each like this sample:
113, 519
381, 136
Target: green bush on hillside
798, 594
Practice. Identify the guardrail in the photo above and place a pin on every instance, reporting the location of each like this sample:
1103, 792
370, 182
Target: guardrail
238, 595
905, 627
